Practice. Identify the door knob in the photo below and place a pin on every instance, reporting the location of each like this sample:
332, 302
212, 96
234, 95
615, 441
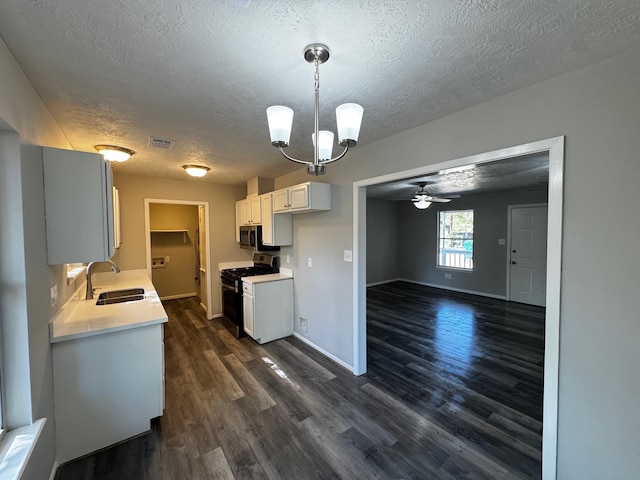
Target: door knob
512, 262
513, 251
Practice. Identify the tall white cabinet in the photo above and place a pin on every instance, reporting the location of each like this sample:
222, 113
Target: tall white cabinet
79, 206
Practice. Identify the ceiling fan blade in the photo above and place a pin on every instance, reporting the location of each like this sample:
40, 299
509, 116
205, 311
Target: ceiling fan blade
438, 200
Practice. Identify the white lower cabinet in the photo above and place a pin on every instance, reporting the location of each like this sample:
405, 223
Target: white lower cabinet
267, 307
107, 388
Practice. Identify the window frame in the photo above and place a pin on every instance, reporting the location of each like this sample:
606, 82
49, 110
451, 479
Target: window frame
440, 238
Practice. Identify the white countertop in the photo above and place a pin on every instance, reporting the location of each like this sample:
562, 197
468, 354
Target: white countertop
271, 277
83, 318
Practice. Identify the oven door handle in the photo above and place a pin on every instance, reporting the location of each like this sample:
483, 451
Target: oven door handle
228, 287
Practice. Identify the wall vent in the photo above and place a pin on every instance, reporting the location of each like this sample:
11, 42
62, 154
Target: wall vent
161, 142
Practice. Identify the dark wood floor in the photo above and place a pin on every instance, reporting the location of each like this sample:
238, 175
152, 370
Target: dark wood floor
454, 390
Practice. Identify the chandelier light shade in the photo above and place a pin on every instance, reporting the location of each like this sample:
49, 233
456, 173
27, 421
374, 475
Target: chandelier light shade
348, 119
196, 170
113, 153
280, 122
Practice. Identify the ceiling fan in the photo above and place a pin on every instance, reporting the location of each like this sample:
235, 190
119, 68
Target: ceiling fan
422, 198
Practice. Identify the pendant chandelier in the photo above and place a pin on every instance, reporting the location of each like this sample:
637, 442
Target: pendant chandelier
348, 119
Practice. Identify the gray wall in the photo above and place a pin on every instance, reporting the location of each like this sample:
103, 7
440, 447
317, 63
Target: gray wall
383, 236
418, 243
597, 109
25, 276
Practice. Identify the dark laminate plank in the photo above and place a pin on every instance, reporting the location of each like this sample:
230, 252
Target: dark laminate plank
453, 391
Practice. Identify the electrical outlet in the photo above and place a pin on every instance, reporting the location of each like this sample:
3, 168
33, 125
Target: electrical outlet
309, 262
303, 324
348, 256
288, 259
167, 259
447, 276
53, 295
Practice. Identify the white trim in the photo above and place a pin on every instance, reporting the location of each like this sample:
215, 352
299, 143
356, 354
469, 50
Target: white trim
383, 282
509, 213
147, 234
215, 315
16, 448
54, 470
180, 295
453, 289
324, 352
555, 148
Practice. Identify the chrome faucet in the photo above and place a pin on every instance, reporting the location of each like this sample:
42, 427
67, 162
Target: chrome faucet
114, 269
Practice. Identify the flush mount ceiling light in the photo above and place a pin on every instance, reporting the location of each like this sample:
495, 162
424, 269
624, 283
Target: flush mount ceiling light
348, 117
113, 153
196, 170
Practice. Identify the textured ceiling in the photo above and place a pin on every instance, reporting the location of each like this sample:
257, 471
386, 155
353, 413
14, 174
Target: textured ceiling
202, 72
531, 171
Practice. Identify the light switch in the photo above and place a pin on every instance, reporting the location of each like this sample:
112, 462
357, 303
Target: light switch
53, 295
167, 259
309, 262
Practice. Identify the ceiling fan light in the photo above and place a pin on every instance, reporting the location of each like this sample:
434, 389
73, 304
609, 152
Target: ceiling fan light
326, 144
421, 204
114, 153
196, 170
280, 120
349, 120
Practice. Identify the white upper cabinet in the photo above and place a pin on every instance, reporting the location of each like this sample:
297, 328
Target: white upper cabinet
79, 206
277, 230
306, 197
249, 212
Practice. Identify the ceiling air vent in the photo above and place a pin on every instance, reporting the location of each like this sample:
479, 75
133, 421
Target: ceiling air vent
161, 142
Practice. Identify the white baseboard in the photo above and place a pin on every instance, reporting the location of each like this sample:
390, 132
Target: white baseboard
180, 295
324, 352
216, 315
452, 289
375, 284
54, 470
203, 306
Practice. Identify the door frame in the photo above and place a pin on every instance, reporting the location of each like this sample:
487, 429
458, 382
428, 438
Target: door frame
509, 210
147, 236
554, 147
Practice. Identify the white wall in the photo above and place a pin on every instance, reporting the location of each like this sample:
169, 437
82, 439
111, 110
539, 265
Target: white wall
28, 279
597, 108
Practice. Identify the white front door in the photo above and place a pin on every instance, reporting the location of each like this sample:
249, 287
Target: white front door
528, 255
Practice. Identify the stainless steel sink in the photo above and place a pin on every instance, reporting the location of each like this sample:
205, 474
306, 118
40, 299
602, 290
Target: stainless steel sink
120, 296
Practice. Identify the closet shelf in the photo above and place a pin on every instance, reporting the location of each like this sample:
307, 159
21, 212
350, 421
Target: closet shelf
183, 232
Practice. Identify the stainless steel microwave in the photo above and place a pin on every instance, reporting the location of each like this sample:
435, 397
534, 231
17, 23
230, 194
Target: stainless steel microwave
251, 239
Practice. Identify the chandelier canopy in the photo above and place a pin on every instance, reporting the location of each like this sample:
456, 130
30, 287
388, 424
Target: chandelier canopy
348, 119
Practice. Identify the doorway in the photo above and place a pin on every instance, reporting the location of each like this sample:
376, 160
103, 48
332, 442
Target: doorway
554, 147
527, 251
188, 237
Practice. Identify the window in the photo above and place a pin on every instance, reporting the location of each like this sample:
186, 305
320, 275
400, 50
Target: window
455, 239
